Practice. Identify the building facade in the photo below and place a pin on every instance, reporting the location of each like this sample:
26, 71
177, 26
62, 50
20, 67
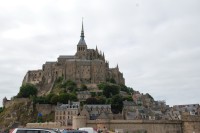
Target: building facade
65, 112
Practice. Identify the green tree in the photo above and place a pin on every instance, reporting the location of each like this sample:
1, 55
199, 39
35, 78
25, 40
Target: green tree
93, 94
117, 103
41, 100
99, 93
69, 84
54, 99
112, 80
91, 100
59, 79
1, 109
83, 87
49, 96
27, 90
108, 100
129, 90
110, 90
63, 98
102, 85
73, 97
101, 99
128, 98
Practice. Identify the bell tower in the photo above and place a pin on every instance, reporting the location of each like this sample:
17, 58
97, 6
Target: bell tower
81, 44
81, 47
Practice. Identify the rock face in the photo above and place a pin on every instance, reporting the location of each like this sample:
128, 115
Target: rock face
87, 66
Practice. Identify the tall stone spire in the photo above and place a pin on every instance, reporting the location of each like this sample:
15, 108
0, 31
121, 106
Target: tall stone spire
82, 31
82, 40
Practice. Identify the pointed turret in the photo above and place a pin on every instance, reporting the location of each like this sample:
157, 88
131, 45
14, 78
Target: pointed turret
96, 48
117, 67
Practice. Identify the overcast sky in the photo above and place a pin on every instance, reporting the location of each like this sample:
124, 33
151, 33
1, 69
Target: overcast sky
156, 43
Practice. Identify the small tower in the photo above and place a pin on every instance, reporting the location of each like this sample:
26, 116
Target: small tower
103, 56
4, 101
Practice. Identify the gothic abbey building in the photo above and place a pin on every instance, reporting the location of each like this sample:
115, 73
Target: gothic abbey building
87, 66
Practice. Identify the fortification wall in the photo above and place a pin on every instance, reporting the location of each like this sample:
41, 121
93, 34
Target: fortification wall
16, 101
149, 126
79, 121
44, 125
191, 124
45, 109
130, 125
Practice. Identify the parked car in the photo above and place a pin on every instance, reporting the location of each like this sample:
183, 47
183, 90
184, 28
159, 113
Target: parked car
56, 130
32, 130
74, 131
88, 129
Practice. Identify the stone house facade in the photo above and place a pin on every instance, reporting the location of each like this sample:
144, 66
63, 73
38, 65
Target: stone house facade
65, 112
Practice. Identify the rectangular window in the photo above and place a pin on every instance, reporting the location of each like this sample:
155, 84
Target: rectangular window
32, 131
21, 131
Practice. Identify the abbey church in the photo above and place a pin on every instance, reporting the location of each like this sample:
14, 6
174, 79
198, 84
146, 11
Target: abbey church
87, 66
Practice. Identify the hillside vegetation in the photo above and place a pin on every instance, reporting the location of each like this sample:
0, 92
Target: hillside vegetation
62, 92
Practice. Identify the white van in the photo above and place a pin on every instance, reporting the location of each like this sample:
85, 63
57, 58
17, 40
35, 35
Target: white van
88, 129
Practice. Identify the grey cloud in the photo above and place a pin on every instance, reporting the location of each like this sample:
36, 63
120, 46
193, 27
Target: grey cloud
155, 43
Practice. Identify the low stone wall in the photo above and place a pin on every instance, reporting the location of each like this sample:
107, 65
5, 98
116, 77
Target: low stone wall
133, 125
44, 125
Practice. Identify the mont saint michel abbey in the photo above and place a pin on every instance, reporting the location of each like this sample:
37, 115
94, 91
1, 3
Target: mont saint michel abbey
139, 112
87, 66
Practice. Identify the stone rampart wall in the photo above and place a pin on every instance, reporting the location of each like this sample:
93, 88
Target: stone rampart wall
44, 125
45, 109
149, 126
16, 101
133, 125
191, 124
79, 121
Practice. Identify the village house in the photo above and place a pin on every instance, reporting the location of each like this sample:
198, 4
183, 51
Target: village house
65, 112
